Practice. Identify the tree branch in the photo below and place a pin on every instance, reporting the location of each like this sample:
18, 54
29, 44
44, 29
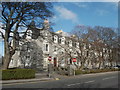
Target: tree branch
2, 35
3, 14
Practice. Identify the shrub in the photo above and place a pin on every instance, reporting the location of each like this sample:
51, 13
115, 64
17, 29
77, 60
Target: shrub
18, 74
78, 72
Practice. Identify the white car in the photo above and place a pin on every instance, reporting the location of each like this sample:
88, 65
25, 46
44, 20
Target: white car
62, 65
115, 67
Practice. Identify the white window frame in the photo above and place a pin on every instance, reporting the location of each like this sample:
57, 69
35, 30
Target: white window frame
44, 47
55, 39
77, 44
29, 34
46, 33
63, 40
70, 43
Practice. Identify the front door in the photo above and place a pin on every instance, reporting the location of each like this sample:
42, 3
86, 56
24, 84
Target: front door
55, 62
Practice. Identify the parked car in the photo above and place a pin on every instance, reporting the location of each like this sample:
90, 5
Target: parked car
118, 66
115, 67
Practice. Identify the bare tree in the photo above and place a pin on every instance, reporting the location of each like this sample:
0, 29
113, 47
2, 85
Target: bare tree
31, 55
81, 33
96, 40
79, 30
16, 15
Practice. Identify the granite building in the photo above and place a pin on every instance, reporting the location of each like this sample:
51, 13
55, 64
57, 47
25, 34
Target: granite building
54, 44
38, 44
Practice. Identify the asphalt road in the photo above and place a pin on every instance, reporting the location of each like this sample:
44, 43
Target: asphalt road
101, 80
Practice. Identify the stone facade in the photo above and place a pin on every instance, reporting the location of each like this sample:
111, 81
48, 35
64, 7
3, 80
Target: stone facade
39, 44
54, 44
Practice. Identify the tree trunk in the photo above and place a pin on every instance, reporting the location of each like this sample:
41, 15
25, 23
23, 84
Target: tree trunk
111, 64
82, 65
7, 56
9, 50
6, 59
99, 65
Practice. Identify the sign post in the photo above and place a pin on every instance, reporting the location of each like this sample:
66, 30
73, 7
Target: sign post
49, 58
74, 60
49, 66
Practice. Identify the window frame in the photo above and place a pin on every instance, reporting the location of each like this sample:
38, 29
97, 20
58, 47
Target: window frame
55, 39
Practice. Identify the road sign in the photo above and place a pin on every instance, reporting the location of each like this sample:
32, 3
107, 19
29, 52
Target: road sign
74, 60
49, 58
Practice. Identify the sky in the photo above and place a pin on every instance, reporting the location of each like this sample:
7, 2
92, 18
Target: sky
1, 48
69, 14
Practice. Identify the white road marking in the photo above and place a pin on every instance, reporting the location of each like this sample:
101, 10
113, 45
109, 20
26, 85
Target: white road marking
108, 78
73, 84
80, 83
89, 81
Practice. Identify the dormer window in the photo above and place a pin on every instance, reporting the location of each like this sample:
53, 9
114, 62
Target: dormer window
84, 46
89, 46
29, 34
62, 40
55, 39
70, 43
62, 51
77, 44
103, 49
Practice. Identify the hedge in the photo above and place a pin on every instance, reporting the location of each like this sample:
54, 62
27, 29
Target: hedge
18, 74
77, 72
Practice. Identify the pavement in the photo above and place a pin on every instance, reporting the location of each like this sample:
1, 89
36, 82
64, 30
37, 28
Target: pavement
44, 77
97, 80
38, 77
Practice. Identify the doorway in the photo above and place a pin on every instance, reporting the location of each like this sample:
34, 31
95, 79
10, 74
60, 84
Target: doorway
55, 62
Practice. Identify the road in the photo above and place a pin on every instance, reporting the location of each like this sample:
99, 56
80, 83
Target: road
101, 80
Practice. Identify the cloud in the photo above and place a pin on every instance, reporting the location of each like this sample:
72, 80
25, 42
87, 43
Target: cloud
101, 12
66, 14
54, 19
81, 5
